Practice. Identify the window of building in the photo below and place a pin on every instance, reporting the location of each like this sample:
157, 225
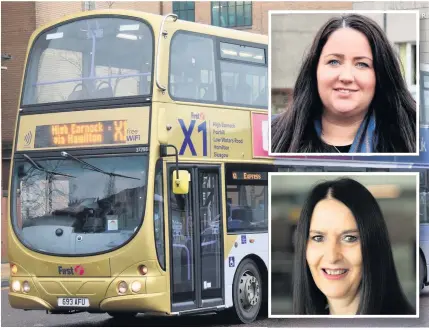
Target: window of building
231, 13
184, 10
88, 5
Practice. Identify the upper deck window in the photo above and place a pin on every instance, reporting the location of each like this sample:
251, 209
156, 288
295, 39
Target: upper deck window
192, 73
242, 53
244, 80
90, 59
208, 70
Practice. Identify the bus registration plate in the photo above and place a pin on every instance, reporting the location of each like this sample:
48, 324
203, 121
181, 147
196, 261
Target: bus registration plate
73, 302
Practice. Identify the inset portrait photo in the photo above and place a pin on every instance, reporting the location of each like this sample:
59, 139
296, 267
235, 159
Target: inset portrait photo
343, 245
344, 82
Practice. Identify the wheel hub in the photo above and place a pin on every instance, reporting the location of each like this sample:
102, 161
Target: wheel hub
249, 291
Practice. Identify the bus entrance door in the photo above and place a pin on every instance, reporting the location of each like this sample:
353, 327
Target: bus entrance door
196, 244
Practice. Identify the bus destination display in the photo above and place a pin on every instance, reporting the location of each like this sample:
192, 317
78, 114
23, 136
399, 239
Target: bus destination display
75, 134
249, 175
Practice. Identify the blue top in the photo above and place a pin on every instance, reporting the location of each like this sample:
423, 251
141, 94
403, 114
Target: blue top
364, 139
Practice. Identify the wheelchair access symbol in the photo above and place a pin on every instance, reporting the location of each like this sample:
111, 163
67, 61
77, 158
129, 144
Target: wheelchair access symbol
231, 261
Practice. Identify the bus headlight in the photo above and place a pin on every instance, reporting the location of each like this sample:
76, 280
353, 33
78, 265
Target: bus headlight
122, 287
136, 286
16, 286
26, 287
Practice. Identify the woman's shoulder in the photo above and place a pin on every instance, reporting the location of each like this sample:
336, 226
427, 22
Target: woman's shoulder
398, 306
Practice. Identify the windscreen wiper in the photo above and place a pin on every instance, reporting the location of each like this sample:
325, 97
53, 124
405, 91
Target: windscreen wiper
93, 168
40, 168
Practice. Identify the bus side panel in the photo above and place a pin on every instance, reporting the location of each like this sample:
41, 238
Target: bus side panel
237, 248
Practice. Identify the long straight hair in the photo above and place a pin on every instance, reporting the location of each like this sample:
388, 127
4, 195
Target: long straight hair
393, 105
380, 290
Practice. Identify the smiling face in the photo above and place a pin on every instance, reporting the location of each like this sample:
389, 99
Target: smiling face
345, 73
334, 250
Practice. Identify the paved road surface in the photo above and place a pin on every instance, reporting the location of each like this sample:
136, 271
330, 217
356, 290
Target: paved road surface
15, 318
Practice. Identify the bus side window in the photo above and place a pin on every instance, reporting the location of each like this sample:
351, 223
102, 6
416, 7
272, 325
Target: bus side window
243, 83
247, 206
243, 91
243, 71
192, 68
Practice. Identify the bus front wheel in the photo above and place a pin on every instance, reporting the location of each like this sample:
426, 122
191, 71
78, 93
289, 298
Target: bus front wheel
247, 291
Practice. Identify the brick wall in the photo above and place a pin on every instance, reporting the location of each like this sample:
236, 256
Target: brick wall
153, 7
203, 12
14, 40
48, 11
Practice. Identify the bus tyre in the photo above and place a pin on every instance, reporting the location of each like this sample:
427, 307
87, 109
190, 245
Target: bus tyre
122, 315
247, 291
421, 273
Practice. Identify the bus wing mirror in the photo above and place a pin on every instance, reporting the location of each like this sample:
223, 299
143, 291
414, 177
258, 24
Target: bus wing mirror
180, 182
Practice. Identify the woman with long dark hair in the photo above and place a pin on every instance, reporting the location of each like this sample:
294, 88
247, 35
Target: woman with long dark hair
343, 261
349, 97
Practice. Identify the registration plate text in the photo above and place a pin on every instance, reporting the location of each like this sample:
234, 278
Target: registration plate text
73, 302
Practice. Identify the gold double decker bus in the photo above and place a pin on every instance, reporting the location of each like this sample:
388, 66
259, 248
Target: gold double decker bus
140, 168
